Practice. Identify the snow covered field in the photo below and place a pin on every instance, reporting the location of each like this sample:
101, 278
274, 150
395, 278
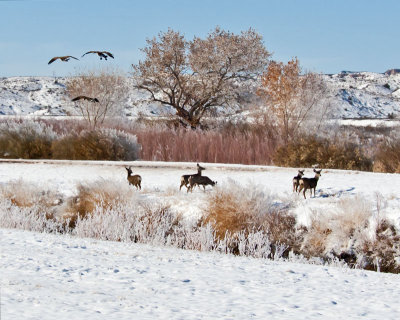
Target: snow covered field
49, 276
163, 178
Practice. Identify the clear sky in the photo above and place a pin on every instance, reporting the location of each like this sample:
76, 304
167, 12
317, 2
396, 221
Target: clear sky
326, 35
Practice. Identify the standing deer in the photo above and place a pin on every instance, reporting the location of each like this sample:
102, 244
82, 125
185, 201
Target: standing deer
296, 180
200, 180
309, 183
135, 180
185, 178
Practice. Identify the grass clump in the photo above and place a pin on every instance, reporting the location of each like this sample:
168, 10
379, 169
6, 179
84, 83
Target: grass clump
236, 212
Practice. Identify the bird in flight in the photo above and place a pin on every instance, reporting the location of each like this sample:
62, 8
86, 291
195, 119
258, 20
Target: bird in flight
64, 58
85, 98
101, 54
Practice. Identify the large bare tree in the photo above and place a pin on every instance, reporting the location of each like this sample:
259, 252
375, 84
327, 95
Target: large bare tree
107, 85
293, 97
195, 76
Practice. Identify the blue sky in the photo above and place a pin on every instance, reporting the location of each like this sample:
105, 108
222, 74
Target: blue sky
326, 36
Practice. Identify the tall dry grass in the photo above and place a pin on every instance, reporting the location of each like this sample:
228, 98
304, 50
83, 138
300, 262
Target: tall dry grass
216, 146
237, 211
240, 220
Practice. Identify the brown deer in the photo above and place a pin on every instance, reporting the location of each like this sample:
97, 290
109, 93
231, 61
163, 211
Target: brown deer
296, 180
135, 180
309, 183
200, 180
185, 178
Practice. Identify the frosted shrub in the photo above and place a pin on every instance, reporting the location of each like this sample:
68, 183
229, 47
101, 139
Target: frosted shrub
101, 144
26, 139
33, 218
238, 213
27, 195
96, 195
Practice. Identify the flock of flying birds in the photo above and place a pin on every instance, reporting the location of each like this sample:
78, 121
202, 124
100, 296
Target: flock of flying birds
102, 54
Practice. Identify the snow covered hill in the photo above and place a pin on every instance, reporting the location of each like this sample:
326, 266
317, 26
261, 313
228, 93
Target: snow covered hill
365, 94
355, 95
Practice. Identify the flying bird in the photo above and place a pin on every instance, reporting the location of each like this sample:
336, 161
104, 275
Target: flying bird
85, 98
64, 58
101, 54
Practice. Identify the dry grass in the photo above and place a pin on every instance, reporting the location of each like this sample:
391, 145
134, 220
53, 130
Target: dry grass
388, 158
26, 195
101, 193
381, 252
238, 211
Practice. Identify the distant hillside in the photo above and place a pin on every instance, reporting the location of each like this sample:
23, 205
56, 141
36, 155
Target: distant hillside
365, 94
355, 95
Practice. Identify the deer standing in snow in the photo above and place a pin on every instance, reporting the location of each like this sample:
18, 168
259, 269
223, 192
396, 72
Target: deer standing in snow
296, 180
135, 180
200, 180
309, 183
185, 178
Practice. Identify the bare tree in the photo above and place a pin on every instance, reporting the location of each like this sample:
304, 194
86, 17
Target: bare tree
294, 98
195, 76
108, 86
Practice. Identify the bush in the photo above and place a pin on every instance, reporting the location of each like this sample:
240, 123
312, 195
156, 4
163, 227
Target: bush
387, 158
26, 140
102, 144
309, 151
236, 212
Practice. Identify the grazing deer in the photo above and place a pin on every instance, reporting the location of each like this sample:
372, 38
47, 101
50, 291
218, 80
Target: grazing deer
296, 180
200, 180
185, 178
135, 180
309, 183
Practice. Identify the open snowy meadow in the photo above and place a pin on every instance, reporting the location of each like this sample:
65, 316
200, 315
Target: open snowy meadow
47, 276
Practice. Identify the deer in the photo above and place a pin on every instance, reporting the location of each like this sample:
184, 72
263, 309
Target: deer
200, 180
135, 180
185, 178
296, 180
309, 183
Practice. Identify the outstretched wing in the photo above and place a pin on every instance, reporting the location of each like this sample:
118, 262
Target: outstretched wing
85, 98
90, 52
109, 54
78, 98
53, 59
73, 57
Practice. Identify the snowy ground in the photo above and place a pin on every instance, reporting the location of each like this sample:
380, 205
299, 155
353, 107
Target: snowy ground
58, 277
161, 179
49, 276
